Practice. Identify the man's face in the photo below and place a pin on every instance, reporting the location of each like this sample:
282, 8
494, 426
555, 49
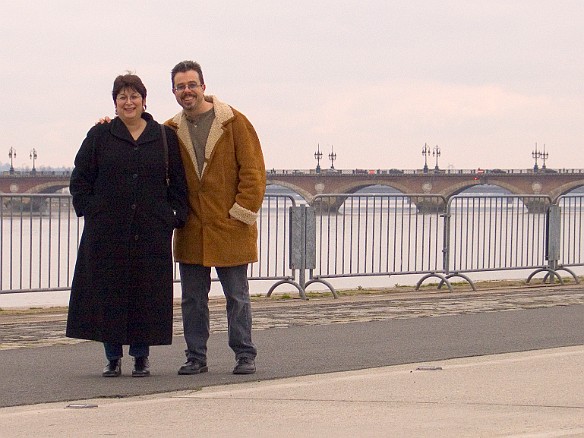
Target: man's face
188, 91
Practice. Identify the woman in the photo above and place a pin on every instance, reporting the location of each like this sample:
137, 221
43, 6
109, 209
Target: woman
131, 190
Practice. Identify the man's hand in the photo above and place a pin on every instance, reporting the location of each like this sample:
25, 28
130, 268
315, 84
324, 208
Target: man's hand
103, 120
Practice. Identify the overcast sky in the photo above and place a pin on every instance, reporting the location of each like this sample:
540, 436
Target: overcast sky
375, 80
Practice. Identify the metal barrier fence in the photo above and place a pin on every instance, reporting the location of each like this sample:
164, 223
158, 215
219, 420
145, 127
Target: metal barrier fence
572, 230
339, 235
40, 235
362, 235
38, 242
373, 235
496, 233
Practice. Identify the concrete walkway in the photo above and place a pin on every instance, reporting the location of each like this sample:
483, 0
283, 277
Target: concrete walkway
494, 363
528, 394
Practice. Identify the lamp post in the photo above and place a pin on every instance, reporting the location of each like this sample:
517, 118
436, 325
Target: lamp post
544, 156
318, 157
12, 155
535, 155
425, 153
33, 157
332, 157
436, 153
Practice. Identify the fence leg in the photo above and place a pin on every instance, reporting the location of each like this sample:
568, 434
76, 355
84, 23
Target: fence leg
303, 247
552, 247
298, 245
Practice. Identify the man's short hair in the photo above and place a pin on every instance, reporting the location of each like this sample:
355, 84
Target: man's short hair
183, 67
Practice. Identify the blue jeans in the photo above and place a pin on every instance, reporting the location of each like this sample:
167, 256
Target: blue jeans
114, 351
196, 284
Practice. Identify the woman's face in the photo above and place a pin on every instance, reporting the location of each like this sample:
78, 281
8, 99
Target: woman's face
129, 104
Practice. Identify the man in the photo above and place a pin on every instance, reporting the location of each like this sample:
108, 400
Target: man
226, 181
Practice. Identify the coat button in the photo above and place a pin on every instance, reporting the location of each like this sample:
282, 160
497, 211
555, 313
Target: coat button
133, 206
135, 176
136, 237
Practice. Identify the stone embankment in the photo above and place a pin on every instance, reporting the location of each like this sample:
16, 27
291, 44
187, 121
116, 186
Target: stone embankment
42, 327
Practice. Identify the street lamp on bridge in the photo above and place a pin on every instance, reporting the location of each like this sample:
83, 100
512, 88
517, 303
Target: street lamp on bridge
318, 157
436, 153
332, 157
33, 157
12, 155
544, 156
426, 153
535, 155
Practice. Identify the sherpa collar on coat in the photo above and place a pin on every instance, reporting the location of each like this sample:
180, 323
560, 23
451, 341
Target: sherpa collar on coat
223, 114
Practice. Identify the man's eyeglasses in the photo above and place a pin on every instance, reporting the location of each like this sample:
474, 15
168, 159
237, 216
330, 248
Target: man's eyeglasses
182, 87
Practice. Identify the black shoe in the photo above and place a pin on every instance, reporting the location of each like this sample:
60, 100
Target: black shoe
141, 367
113, 368
193, 366
245, 365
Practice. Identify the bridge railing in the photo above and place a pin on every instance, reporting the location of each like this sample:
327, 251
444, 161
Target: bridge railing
35, 174
29, 173
338, 236
421, 172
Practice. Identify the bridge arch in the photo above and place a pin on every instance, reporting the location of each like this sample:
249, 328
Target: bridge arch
39, 182
460, 187
349, 187
307, 196
49, 187
565, 188
354, 187
335, 203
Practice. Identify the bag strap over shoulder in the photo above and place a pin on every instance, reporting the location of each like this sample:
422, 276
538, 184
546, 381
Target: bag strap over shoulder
165, 145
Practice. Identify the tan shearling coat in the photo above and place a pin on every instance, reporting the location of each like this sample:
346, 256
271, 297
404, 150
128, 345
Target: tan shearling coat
225, 199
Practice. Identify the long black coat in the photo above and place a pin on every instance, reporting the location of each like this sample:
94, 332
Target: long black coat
122, 289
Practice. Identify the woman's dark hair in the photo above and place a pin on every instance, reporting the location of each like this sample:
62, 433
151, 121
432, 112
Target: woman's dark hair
185, 66
128, 80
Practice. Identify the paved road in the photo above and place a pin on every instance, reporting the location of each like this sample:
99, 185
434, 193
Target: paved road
300, 338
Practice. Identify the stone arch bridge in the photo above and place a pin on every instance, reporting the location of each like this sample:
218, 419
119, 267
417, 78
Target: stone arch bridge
34, 182
309, 183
